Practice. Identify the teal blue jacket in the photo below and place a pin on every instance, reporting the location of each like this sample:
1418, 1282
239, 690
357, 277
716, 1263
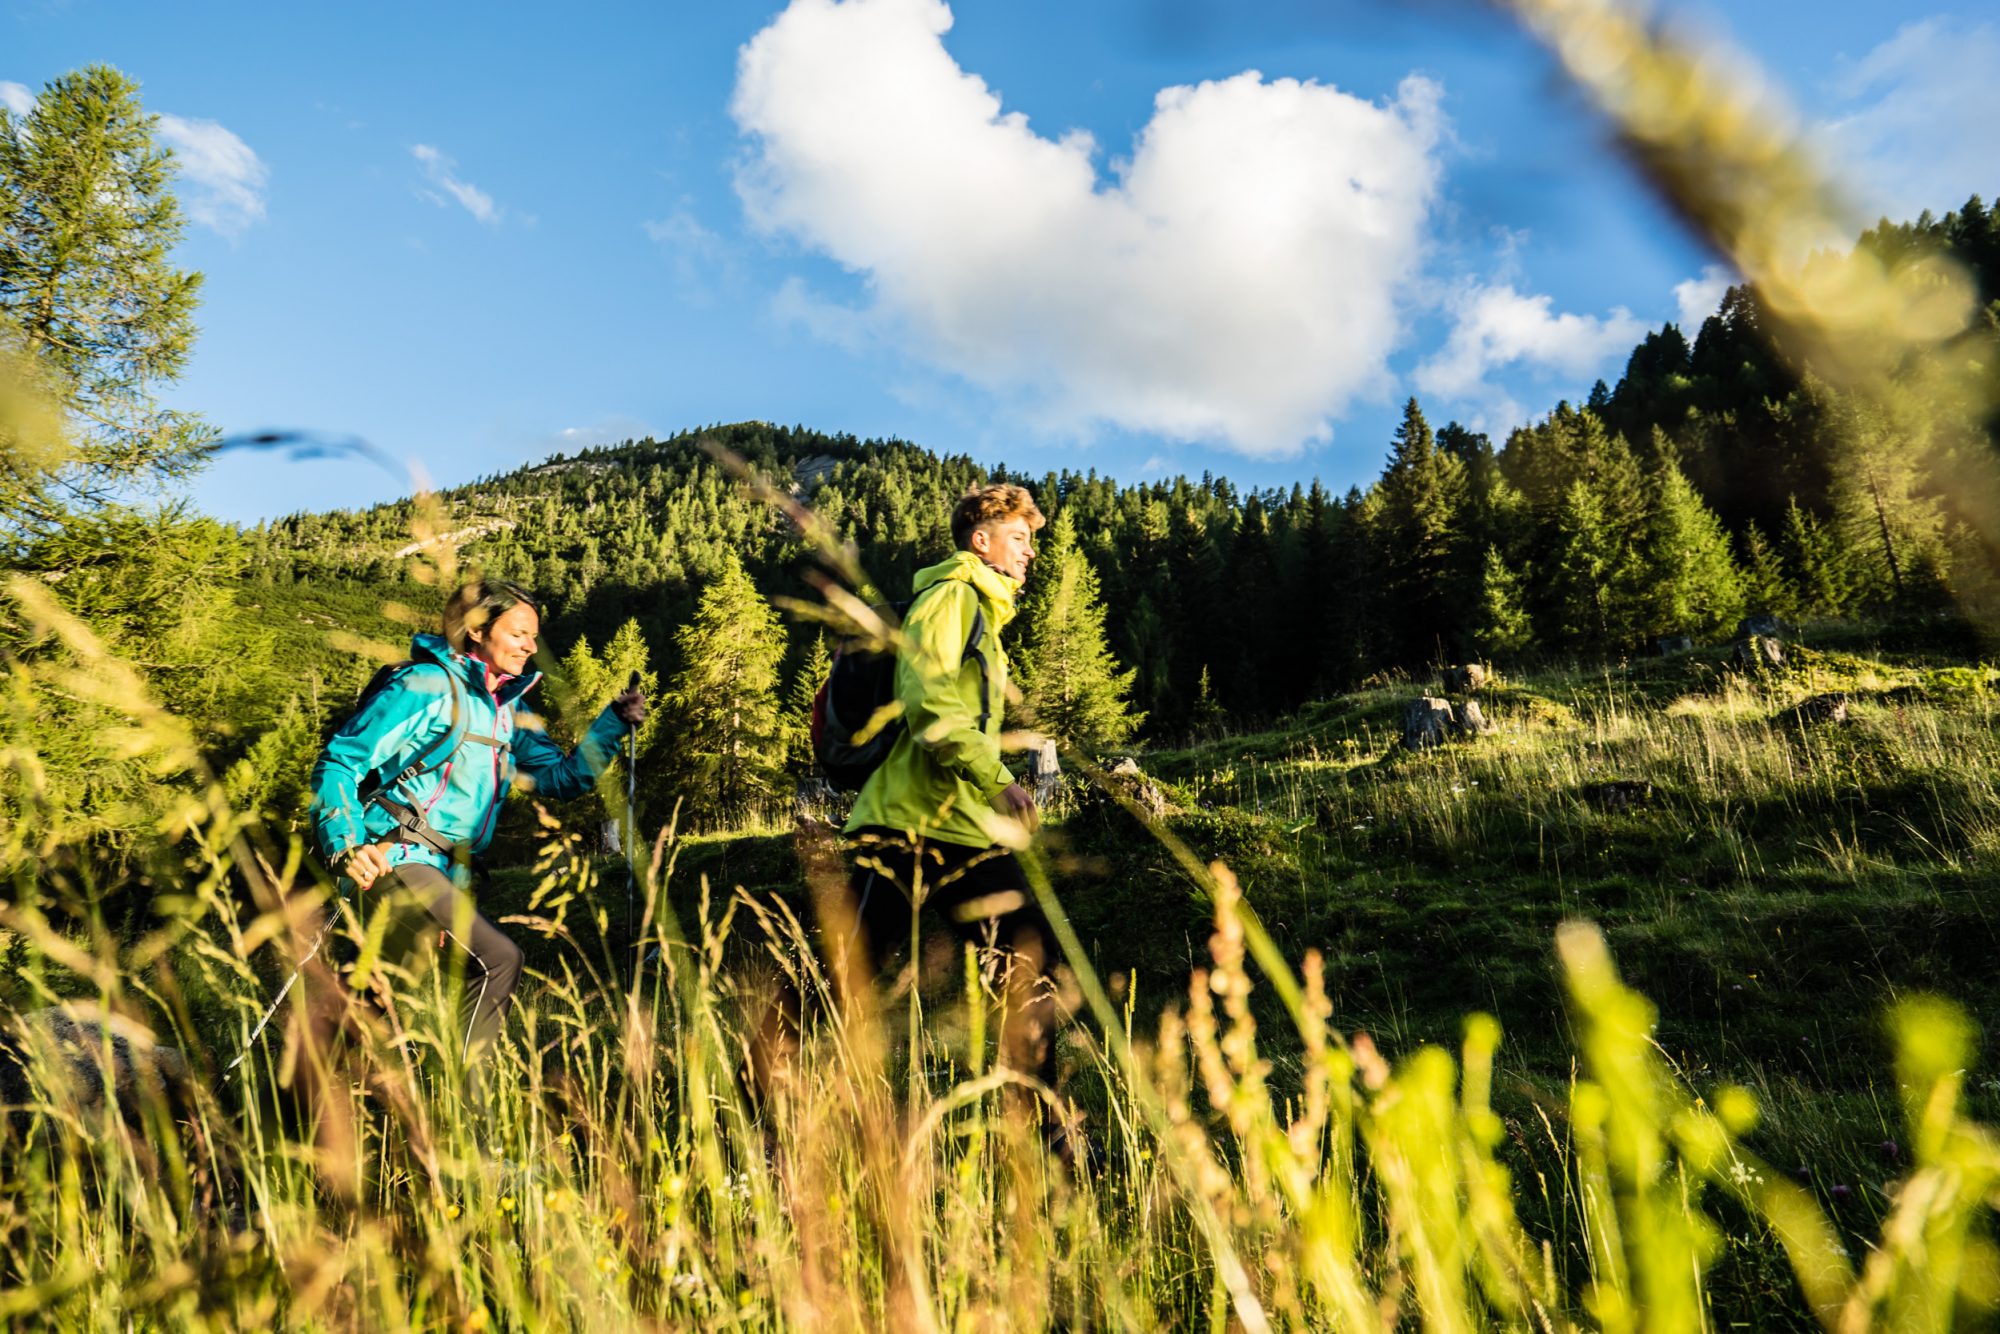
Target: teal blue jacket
460, 794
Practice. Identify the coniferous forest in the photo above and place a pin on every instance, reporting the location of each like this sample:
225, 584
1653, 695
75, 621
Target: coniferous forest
1691, 679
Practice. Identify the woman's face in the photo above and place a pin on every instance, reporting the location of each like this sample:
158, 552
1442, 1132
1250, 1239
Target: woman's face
508, 640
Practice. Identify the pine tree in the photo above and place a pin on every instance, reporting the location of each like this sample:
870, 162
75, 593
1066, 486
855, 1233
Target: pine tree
806, 682
1585, 551
1766, 588
725, 738
88, 293
1816, 563
1690, 584
1499, 621
1423, 497
1072, 688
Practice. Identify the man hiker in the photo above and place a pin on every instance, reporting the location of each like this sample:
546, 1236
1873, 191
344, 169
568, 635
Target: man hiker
934, 825
410, 786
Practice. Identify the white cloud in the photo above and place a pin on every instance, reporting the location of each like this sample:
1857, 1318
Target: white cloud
1496, 326
229, 177
1699, 298
1916, 127
700, 258
441, 171
1238, 278
16, 98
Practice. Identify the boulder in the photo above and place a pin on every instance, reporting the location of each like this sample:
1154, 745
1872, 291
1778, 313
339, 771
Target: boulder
1428, 722
1127, 777
1759, 653
81, 1052
817, 799
1829, 710
1760, 623
1464, 679
1622, 794
1472, 720
1668, 645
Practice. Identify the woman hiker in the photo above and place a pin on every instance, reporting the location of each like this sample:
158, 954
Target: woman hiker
411, 785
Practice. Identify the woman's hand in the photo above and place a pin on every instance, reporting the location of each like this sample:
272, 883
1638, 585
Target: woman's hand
363, 863
630, 707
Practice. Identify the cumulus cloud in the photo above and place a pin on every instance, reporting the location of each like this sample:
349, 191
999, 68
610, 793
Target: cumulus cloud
1237, 279
1699, 298
227, 175
1915, 127
1495, 326
442, 172
16, 97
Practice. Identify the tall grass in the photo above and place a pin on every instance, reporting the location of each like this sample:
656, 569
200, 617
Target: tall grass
613, 1164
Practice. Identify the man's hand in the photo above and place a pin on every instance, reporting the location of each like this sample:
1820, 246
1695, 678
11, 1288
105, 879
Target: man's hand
363, 863
1016, 801
630, 707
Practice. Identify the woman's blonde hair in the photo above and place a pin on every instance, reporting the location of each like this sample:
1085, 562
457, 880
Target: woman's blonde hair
478, 604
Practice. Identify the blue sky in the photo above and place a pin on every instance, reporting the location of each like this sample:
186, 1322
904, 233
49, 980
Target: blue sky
474, 236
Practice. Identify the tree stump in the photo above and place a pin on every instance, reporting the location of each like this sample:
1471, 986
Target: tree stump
1044, 773
1428, 722
1761, 623
1472, 720
1127, 777
1668, 645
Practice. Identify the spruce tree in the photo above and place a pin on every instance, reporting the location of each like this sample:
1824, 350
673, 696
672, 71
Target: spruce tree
1690, 584
1499, 620
1423, 496
811, 675
1072, 687
1585, 551
725, 743
1766, 587
1817, 564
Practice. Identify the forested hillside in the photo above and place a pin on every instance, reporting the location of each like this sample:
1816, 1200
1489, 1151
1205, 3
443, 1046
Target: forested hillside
1712, 480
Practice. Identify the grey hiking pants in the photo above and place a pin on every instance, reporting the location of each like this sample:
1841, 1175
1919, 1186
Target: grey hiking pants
495, 958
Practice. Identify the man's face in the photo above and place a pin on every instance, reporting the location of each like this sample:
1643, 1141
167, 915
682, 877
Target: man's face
1007, 545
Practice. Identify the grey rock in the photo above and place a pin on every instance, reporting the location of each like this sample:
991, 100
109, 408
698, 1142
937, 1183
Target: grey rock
77, 1054
1126, 776
1759, 653
1622, 794
1428, 722
1760, 623
1671, 644
1464, 679
1472, 720
1829, 710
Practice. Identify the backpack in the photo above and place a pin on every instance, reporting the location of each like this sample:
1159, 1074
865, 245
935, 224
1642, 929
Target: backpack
383, 789
855, 722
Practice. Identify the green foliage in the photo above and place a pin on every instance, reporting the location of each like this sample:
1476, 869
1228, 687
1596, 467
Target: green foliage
1071, 686
811, 675
724, 737
1690, 585
1499, 617
88, 291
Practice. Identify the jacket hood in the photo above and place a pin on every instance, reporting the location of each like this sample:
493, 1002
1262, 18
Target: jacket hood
470, 670
966, 568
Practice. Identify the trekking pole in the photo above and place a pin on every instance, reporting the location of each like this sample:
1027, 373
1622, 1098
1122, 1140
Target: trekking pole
631, 817
250, 1043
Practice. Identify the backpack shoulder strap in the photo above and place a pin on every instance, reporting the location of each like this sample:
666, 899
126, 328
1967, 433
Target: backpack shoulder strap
441, 747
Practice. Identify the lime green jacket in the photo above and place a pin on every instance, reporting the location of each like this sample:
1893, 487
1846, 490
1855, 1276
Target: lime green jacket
942, 774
